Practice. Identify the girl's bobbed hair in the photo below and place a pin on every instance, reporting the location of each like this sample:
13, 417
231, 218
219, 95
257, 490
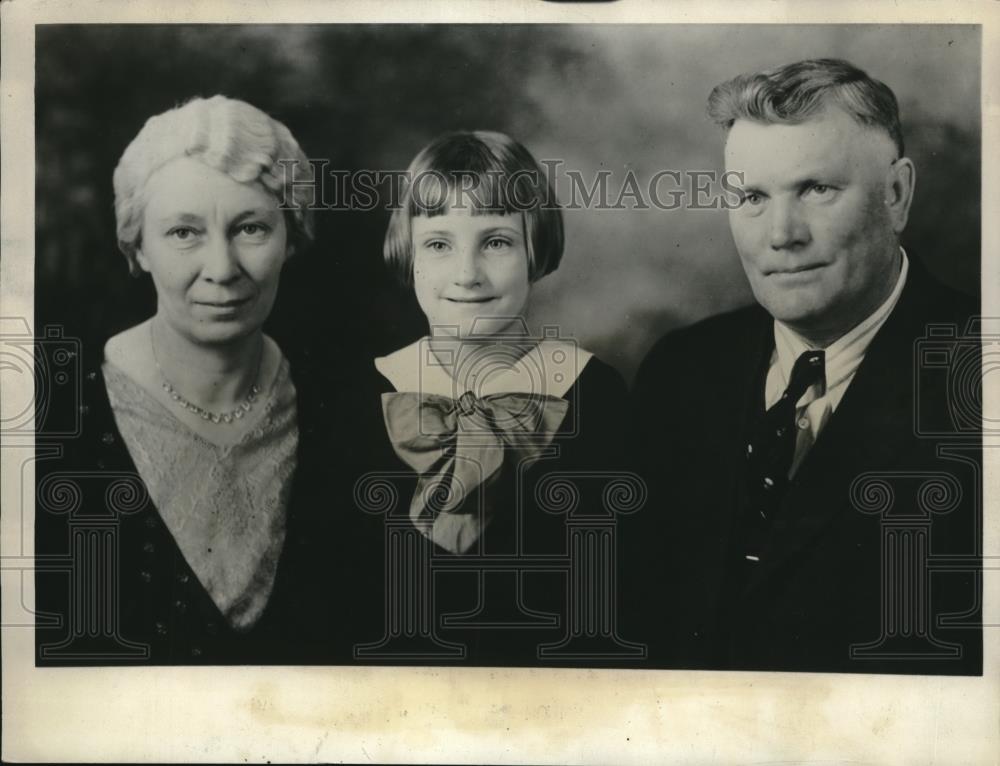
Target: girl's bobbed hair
492, 174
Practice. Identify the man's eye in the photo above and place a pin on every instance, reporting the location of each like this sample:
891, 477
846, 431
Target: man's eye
819, 191
751, 198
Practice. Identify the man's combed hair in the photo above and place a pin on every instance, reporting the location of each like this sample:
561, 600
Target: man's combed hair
793, 93
490, 173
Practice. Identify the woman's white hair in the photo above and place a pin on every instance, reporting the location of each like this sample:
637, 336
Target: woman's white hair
228, 135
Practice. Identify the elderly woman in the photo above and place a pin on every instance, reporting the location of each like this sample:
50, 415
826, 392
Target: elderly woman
197, 564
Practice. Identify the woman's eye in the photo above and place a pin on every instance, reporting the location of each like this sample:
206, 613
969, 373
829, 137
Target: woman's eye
182, 233
252, 229
436, 245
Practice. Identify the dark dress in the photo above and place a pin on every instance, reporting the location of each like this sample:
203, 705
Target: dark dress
112, 585
510, 599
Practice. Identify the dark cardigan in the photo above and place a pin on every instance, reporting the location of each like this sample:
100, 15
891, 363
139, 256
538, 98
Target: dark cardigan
112, 586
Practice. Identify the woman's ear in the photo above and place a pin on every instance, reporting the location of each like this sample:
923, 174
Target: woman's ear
141, 259
291, 240
899, 192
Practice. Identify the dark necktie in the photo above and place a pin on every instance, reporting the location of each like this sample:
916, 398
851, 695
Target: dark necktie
771, 450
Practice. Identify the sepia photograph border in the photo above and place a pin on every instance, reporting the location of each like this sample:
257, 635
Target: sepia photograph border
473, 715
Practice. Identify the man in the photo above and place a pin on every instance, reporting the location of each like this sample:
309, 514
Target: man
791, 526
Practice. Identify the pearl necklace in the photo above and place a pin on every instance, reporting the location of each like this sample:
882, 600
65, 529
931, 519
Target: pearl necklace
215, 417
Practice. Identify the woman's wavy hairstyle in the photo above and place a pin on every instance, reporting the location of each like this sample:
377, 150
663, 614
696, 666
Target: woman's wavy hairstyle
228, 135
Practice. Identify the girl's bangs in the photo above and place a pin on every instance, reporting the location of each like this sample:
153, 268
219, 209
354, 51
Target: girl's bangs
487, 193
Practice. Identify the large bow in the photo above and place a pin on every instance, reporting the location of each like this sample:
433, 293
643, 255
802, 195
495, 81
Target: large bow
458, 445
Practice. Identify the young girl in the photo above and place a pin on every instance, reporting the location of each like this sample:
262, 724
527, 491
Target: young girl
487, 434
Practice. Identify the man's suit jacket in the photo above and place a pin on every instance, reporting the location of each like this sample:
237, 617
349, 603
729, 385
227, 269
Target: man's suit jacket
871, 564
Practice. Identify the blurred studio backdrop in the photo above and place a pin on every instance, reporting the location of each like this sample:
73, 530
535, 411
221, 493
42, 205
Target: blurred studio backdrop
611, 98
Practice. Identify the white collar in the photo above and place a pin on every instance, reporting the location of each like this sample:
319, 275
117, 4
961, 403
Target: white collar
550, 367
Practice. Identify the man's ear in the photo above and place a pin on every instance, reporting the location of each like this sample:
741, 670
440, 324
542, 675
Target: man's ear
900, 183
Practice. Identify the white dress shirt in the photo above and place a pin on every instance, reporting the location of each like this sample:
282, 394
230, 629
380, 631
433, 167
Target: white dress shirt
843, 357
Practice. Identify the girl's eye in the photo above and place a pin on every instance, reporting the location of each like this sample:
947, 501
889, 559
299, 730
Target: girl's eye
497, 243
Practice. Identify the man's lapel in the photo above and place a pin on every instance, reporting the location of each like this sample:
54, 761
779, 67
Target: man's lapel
751, 354
711, 490
862, 435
